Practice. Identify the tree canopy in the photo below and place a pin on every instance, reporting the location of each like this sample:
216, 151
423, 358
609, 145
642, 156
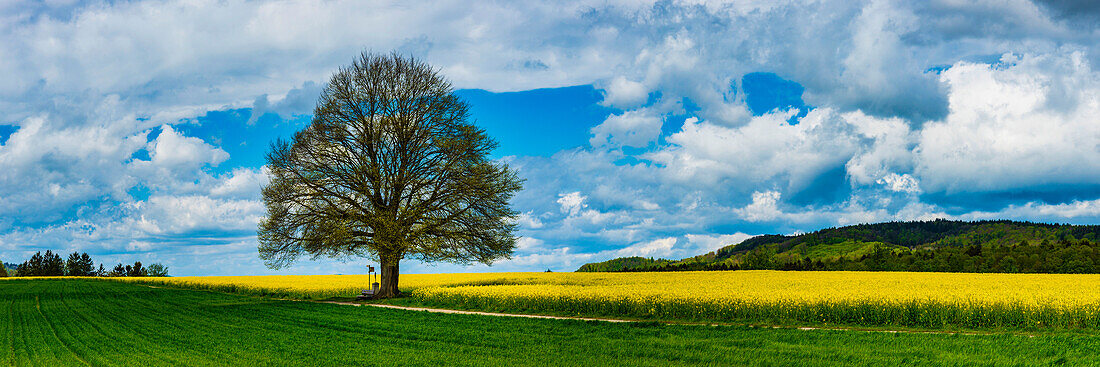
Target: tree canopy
79, 265
390, 168
48, 264
156, 270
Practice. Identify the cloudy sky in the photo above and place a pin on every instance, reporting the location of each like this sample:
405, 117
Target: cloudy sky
137, 130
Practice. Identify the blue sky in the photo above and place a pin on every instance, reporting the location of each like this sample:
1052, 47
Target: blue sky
664, 129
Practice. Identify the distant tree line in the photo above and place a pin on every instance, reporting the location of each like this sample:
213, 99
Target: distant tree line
1069, 256
936, 245
625, 264
919, 233
80, 265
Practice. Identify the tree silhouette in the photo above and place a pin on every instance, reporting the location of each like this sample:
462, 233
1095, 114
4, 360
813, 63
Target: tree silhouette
390, 168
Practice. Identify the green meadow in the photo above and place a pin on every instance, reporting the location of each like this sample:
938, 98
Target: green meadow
76, 322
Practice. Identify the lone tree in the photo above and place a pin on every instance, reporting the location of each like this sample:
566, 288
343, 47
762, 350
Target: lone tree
390, 168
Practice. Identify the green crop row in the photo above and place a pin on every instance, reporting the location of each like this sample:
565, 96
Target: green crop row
76, 322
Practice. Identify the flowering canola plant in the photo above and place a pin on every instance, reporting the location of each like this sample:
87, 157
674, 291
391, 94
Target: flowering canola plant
327, 286
857, 298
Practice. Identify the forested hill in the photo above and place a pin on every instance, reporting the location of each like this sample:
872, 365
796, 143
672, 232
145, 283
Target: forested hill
938, 245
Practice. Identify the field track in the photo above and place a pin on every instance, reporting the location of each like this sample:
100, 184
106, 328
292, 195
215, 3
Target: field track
496, 314
533, 316
101, 323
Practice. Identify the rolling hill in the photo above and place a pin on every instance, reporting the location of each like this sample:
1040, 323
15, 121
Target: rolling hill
937, 245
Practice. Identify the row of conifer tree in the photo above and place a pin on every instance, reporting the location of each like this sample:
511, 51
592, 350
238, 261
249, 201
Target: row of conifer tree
80, 265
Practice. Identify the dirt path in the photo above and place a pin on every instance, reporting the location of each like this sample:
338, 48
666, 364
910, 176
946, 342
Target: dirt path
443, 310
664, 322
499, 314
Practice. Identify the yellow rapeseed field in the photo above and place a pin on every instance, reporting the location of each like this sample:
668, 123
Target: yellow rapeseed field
327, 286
1060, 290
871, 298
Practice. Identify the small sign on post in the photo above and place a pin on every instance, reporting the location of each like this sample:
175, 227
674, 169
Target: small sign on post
374, 285
369, 293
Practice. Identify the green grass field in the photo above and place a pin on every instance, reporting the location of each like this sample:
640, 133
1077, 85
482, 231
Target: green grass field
91, 322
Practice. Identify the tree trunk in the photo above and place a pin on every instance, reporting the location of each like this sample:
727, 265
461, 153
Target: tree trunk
388, 288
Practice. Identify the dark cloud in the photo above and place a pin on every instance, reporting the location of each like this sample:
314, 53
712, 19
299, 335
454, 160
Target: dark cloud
1087, 11
942, 22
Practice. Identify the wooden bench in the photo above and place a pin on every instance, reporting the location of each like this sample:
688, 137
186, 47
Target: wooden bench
368, 293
